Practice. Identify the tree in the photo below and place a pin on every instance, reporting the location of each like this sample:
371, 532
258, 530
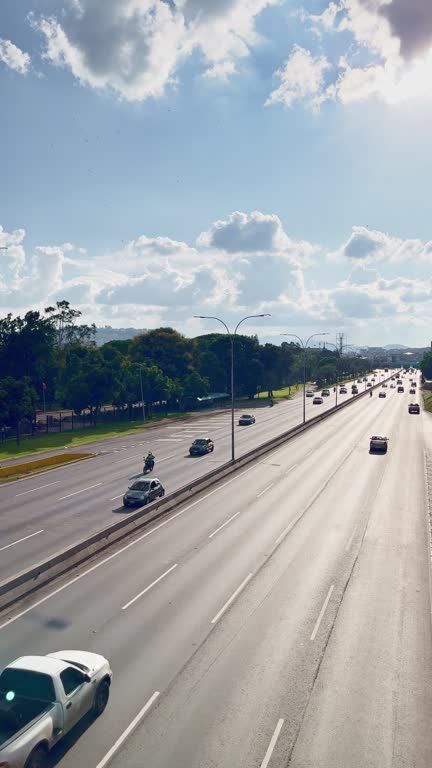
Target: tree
165, 348
63, 319
17, 402
90, 381
426, 365
194, 386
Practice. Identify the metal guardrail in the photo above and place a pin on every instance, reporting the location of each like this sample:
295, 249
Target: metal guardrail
32, 579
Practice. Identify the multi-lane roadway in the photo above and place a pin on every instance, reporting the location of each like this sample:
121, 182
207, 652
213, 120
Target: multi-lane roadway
281, 619
41, 515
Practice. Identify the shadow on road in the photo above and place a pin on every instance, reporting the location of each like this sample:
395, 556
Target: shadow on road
70, 740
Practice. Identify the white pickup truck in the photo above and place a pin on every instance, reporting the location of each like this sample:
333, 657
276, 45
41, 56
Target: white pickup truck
43, 697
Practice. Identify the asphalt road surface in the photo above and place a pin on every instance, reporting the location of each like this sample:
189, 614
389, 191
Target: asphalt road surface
281, 619
41, 515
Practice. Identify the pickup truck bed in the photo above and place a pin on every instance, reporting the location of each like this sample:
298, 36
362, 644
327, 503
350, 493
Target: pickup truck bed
18, 715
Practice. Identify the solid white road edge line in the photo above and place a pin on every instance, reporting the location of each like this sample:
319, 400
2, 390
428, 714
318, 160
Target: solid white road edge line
120, 551
224, 524
156, 581
272, 744
81, 491
128, 731
30, 536
232, 598
265, 490
39, 488
319, 619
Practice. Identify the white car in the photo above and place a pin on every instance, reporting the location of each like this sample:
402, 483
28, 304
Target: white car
43, 697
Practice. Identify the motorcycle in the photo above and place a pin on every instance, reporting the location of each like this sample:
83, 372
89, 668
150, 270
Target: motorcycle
148, 465
370, 393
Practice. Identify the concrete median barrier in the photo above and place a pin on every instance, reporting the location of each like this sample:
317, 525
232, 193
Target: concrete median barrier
32, 579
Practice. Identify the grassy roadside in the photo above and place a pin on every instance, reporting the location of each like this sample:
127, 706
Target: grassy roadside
55, 440
427, 401
281, 394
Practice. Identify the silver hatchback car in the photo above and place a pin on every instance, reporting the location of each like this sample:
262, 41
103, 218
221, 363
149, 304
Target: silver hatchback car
143, 491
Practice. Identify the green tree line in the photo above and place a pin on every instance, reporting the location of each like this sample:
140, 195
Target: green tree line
52, 357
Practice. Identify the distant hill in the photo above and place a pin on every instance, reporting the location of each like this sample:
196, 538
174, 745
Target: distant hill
395, 346
105, 334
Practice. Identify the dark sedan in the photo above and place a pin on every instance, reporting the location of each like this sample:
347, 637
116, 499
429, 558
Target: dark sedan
201, 446
246, 419
142, 492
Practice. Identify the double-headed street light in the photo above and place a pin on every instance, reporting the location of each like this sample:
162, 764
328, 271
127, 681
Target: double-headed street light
304, 347
231, 336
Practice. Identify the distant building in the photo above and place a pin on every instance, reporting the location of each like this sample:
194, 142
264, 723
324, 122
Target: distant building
399, 355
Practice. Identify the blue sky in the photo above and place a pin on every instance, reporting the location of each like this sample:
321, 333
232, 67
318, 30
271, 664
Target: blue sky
165, 159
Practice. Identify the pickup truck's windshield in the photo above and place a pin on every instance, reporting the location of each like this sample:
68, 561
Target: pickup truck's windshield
24, 683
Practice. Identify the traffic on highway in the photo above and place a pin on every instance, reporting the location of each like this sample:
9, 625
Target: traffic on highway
39, 516
324, 549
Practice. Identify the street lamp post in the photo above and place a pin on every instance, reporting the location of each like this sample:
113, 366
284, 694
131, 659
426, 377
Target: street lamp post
304, 347
231, 336
142, 395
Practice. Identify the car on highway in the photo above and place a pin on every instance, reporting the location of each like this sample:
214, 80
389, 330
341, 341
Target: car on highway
325, 393
354, 390
310, 393
412, 391
399, 381
382, 394
343, 391
413, 408
42, 698
392, 385
364, 378
368, 384
201, 446
400, 389
384, 386
246, 419
143, 491
318, 400
359, 381
378, 444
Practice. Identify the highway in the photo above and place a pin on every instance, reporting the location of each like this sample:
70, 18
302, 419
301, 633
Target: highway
41, 515
281, 619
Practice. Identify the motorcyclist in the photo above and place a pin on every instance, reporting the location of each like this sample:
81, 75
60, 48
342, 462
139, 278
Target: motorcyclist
370, 393
149, 460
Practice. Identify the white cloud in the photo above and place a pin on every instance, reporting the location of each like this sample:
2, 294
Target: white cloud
302, 77
391, 38
243, 264
253, 233
24, 278
365, 245
13, 57
135, 47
